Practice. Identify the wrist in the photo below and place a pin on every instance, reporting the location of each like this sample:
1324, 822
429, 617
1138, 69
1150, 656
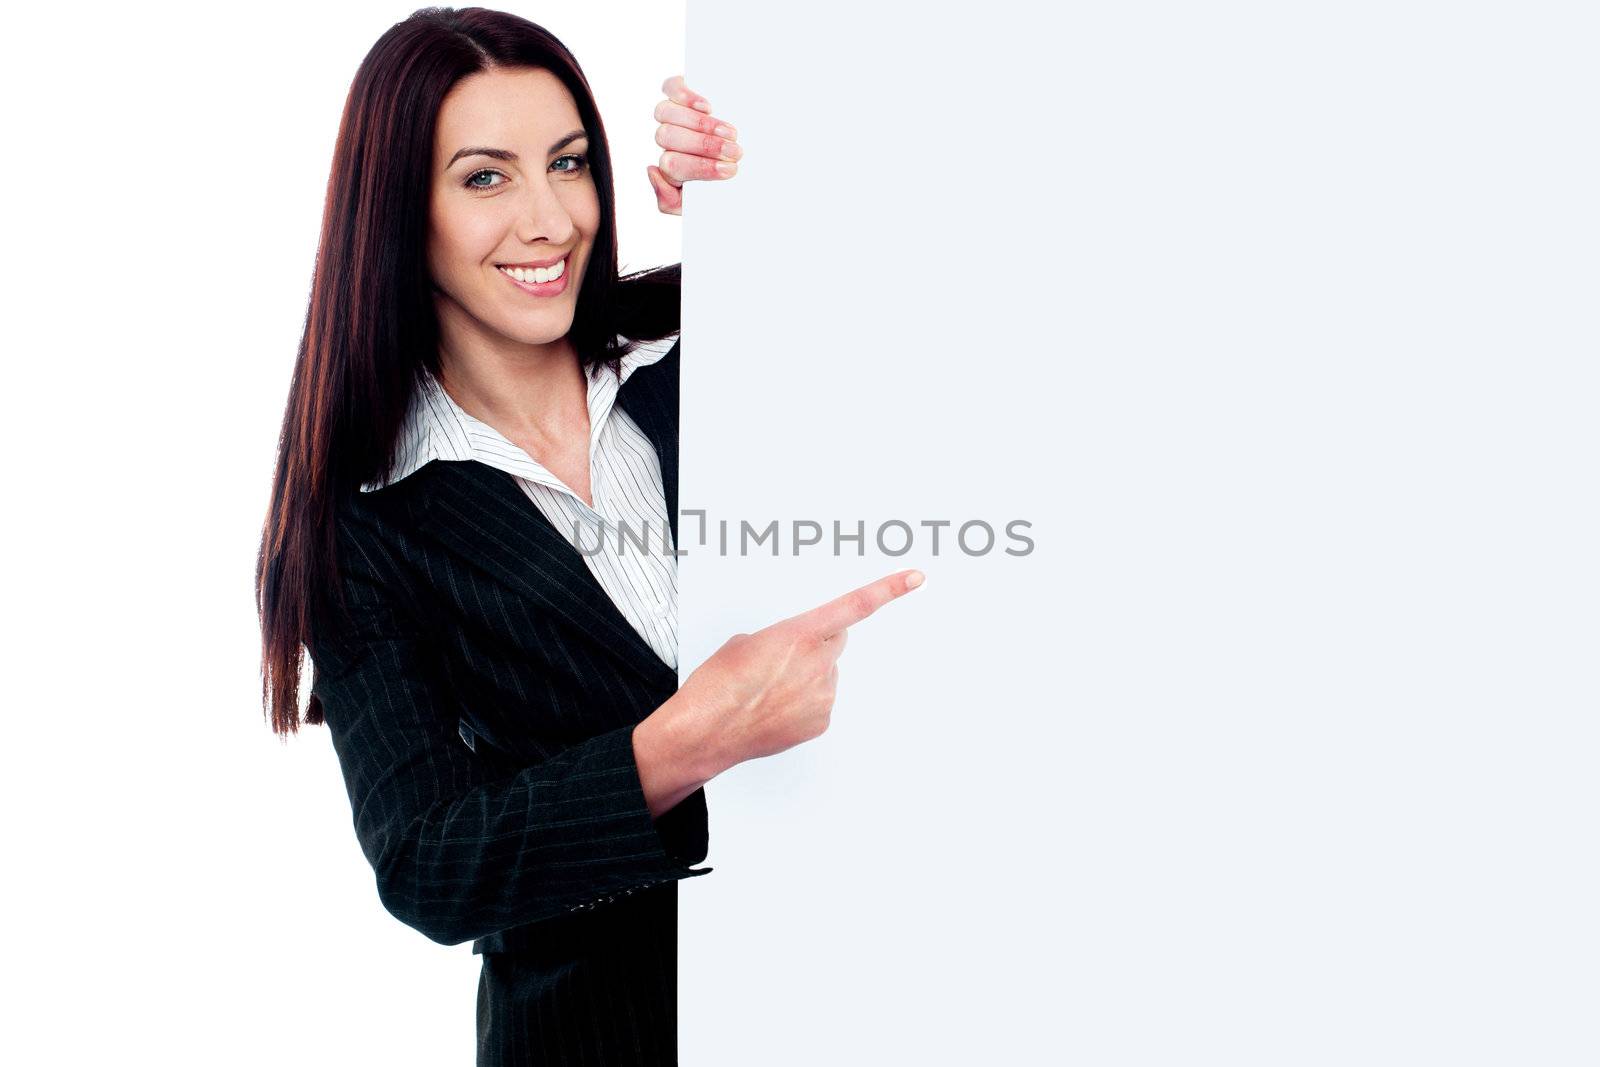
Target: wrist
673, 753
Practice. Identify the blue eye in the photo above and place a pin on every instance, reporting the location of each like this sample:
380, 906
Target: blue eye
579, 160
470, 183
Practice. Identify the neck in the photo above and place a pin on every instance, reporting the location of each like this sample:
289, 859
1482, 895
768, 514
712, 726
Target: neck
523, 390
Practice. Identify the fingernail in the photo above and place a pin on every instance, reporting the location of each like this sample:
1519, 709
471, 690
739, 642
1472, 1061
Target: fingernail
727, 170
726, 131
731, 151
914, 579
702, 104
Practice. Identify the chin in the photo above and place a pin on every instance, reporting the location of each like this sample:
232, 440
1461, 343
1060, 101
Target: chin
541, 333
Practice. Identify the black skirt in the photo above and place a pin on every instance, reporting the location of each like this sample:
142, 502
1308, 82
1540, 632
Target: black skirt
600, 988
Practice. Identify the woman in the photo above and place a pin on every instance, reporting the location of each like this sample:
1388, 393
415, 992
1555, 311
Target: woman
479, 406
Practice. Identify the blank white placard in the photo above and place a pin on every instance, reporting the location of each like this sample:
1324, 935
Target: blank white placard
1278, 326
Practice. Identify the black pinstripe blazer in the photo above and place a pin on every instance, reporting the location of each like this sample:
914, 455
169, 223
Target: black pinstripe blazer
481, 702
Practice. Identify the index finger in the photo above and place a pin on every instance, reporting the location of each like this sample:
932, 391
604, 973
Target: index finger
678, 115
852, 607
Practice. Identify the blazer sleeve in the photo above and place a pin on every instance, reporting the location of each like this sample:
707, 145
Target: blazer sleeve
460, 854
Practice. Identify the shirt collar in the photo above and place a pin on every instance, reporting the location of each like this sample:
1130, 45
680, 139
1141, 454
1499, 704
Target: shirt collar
435, 426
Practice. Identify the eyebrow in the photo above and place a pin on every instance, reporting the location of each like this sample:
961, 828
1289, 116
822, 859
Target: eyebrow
508, 155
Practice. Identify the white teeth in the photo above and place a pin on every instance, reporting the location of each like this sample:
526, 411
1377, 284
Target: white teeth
537, 274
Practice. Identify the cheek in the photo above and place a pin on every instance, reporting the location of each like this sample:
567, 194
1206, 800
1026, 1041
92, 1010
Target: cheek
584, 208
460, 241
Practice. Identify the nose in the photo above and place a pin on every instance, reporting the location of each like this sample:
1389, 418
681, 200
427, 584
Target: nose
544, 216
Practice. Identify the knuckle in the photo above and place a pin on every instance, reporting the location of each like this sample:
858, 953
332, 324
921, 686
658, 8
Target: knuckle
673, 163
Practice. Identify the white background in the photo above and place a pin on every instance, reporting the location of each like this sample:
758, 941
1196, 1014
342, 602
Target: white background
1278, 324
183, 888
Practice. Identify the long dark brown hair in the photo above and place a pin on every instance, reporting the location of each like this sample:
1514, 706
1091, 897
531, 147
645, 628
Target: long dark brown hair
371, 328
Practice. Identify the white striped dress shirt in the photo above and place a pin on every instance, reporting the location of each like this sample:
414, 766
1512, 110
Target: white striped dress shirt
624, 480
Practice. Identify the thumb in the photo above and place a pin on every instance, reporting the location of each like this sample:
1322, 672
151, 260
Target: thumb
669, 197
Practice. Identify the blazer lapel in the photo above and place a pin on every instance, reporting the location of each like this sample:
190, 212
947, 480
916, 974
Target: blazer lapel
481, 515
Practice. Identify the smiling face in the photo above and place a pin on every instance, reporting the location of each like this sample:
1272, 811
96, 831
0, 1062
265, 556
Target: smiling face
511, 189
